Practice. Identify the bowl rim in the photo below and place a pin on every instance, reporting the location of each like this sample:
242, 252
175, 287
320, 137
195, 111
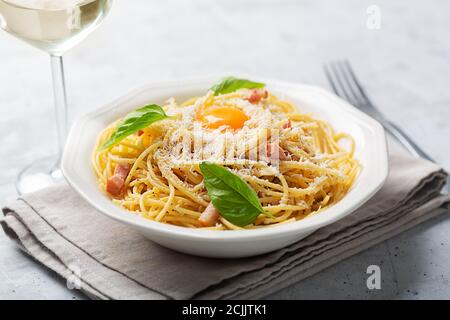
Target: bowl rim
333, 213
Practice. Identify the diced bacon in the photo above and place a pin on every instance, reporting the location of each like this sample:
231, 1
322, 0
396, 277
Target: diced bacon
140, 132
115, 183
122, 170
256, 95
287, 125
273, 148
209, 217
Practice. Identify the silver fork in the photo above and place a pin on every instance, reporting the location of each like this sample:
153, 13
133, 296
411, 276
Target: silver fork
345, 84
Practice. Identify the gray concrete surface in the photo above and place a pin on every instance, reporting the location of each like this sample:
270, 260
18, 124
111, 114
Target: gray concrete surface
405, 66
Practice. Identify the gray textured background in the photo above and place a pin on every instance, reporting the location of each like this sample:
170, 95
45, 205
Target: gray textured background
405, 67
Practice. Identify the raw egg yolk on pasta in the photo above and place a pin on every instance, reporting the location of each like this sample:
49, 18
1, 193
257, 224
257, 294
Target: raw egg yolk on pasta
216, 117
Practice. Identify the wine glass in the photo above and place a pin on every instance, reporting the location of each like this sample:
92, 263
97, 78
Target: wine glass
53, 26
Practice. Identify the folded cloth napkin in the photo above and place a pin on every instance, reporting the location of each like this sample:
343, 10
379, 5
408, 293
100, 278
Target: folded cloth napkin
109, 260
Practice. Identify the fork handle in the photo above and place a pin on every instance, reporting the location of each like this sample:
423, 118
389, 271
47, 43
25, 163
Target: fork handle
405, 140
410, 145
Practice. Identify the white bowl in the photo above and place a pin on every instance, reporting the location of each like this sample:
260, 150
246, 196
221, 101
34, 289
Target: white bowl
370, 151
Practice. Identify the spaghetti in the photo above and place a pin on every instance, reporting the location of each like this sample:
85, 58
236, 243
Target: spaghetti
294, 162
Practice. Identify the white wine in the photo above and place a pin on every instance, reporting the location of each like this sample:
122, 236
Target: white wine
52, 25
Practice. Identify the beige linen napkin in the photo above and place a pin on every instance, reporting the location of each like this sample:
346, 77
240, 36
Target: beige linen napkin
60, 230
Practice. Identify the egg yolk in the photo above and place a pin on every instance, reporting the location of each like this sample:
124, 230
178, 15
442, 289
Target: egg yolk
216, 117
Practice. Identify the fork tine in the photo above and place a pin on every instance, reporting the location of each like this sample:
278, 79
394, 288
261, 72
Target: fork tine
357, 85
350, 83
340, 83
330, 79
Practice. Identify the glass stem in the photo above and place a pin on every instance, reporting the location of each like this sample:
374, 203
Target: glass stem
59, 91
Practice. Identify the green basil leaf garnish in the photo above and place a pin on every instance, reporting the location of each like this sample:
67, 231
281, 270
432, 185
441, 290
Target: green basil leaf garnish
135, 121
232, 196
231, 84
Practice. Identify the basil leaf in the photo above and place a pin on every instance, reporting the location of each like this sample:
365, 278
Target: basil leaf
232, 196
231, 84
135, 121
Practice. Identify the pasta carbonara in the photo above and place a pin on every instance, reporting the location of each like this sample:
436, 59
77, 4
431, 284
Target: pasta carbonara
293, 163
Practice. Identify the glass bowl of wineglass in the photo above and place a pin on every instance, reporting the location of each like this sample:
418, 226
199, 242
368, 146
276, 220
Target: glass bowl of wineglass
54, 26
